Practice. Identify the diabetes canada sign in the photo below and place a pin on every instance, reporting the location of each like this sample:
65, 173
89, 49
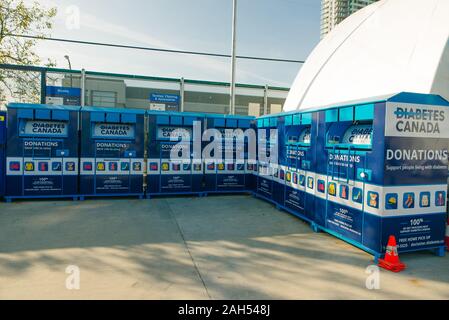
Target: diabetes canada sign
404, 120
45, 128
107, 130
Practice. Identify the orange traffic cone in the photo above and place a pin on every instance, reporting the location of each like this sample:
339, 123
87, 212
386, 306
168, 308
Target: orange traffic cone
391, 261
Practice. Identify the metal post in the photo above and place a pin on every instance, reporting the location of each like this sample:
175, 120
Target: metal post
265, 100
43, 87
83, 87
234, 24
181, 91
70, 67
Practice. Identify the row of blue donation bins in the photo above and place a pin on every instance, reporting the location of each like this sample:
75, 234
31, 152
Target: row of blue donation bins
363, 171
68, 151
360, 171
176, 167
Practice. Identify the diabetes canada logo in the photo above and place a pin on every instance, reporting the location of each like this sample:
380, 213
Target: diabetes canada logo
36, 128
114, 130
419, 120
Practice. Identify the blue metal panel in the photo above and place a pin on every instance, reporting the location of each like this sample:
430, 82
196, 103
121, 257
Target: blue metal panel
288, 120
419, 98
220, 122
25, 113
112, 117
62, 115
306, 118
244, 124
296, 119
332, 115
97, 117
163, 120
176, 120
113, 110
231, 123
129, 118
33, 106
42, 114
364, 112
346, 114
188, 121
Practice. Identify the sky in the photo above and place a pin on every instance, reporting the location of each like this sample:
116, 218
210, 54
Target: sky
287, 29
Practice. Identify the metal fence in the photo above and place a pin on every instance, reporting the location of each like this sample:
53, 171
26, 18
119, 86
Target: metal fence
62, 86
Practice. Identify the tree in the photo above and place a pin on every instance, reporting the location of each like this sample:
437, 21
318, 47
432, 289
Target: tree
18, 18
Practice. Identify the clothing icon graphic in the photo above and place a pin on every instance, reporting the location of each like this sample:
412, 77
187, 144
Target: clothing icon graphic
373, 199
357, 195
440, 198
56, 166
344, 192
310, 182
124, 166
332, 189
29, 166
391, 201
409, 200
424, 201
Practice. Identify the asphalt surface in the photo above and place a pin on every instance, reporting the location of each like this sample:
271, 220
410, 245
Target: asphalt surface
218, 247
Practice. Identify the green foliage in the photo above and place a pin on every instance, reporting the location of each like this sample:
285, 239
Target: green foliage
18, 18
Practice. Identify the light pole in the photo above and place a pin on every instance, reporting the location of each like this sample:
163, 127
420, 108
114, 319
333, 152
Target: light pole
70, 67
234, 25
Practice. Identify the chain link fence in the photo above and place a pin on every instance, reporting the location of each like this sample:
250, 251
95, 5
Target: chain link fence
78, 87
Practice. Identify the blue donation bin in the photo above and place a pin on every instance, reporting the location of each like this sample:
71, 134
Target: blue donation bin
269, 180
226, 161
42, 151
174, 153
298, 162
112, 152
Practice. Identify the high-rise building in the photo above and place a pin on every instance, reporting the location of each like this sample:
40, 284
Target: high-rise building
335, 11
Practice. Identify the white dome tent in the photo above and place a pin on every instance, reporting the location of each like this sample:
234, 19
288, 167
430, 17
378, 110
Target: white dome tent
388, 47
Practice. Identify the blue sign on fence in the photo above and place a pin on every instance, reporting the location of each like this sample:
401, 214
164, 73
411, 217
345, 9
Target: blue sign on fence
164, 102
63, 96
165, 98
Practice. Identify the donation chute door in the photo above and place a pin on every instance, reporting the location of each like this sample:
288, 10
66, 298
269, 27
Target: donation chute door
344, 187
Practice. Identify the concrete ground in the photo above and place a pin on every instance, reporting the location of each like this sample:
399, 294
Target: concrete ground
223, 247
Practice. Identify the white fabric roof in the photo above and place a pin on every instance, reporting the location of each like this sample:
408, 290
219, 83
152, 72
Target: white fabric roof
389, 46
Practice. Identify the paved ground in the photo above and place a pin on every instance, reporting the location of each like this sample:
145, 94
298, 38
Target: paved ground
226, 247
